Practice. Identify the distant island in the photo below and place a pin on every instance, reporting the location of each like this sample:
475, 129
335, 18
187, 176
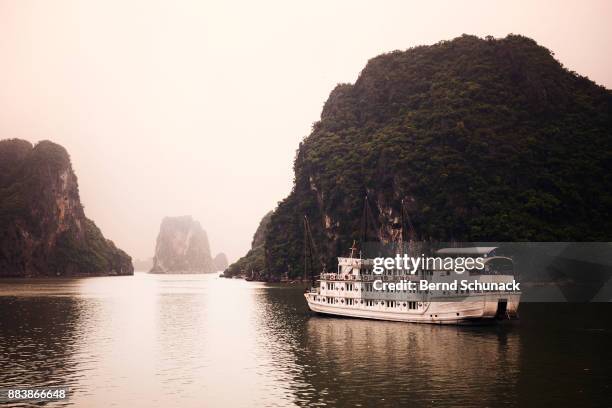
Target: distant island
182, 247
482, 139
220, 262
43, 228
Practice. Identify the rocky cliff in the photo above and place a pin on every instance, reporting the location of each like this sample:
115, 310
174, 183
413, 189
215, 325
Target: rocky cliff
43, 228
220, 262
182, 247
483, 139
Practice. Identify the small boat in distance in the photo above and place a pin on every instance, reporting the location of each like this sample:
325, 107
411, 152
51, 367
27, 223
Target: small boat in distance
354, 291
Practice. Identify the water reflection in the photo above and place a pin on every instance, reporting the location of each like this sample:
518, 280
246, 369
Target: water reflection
191, 341
348, 362
566, 355
39, 341
378, 363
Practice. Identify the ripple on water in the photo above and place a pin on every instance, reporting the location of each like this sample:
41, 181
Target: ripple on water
158, 341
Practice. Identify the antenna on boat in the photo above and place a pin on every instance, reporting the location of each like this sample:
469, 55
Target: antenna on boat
353, 249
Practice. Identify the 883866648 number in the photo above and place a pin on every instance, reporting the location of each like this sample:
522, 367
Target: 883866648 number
16, 394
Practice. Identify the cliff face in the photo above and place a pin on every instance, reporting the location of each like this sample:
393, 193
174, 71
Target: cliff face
182, 247
220, 262
43, 229
483, 139
254, 260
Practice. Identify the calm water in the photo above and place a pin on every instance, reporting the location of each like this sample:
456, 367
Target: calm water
195, 341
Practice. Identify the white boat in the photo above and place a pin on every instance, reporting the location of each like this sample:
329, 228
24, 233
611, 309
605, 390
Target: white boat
351, 291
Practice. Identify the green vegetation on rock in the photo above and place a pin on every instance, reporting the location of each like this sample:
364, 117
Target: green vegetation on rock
43, 229
483, 139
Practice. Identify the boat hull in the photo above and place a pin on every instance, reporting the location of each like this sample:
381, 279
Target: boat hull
475, 310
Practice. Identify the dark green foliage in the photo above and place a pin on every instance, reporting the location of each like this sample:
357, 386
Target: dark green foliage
486, 140
43, 229
90, 256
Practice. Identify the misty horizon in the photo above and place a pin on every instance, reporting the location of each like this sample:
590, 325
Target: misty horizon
199, 109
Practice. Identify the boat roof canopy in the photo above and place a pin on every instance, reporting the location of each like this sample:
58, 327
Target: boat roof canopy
466, 251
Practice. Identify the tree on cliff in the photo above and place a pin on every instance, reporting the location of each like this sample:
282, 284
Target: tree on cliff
484, 139
43, 228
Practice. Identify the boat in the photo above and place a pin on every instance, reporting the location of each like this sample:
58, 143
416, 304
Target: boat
351, 291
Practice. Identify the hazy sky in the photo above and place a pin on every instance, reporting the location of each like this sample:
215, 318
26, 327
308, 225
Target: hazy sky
195, 107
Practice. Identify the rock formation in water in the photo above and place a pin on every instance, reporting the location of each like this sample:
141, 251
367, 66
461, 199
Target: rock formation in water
253, 263
220, 262
43, 228
182, 247
483, 139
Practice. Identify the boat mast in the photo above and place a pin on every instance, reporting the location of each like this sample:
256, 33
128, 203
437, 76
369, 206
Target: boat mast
366, 219
410, 238
310, 252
